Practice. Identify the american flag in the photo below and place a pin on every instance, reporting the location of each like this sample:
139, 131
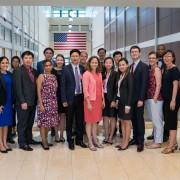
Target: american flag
68, 41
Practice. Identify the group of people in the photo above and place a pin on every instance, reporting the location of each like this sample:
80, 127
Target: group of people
79, 95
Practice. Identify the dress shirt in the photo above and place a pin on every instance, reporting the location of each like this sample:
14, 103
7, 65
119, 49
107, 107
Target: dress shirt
106, 81
135, 65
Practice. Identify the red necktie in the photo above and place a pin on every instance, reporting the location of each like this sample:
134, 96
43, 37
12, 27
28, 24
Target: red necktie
132, 68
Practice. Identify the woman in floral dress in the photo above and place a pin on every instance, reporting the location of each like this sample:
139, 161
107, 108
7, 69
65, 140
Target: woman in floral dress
47, 102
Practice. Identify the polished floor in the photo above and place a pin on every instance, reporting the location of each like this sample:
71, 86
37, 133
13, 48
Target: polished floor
83, 164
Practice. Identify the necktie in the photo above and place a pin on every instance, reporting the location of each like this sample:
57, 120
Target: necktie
132, 68
77, 81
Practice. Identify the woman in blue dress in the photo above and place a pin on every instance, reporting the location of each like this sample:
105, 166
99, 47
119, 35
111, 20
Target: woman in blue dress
6, 103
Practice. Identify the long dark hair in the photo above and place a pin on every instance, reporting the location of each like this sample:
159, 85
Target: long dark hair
88, 67
128, 69
104, 72
1, 59
13, 58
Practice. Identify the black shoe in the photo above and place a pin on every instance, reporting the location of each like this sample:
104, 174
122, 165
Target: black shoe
117, 146
26, 148
151, 137
45, 148
132, 142
71, 145
81, 144
140, 147
165, 139
9, 149
122, 149
50, 145
33, 142
4, 151
11, 141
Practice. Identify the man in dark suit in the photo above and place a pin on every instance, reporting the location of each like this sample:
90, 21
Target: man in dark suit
140, 73
24, 80
72, 98
48, 54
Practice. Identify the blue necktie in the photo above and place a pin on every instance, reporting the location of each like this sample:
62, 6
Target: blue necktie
77, 81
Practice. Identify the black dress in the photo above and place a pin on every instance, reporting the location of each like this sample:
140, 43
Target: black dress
57, 73
170, 117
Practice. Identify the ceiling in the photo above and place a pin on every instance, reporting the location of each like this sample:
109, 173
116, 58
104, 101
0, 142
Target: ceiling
136, 3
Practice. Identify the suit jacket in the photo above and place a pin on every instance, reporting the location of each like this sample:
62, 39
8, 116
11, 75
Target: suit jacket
24, 90
126, 90
140, 79
3, 95
40, 68
111, 86
68, 83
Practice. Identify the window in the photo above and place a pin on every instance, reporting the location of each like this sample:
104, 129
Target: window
2, 31
26, 43
17, 39
8, 36
1, 52
8, 53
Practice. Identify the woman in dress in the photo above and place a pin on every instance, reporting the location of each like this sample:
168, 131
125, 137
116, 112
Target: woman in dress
93, 100
154, 101
60, 62
110, 111
6, 103
171, 97
47, 102
124, 96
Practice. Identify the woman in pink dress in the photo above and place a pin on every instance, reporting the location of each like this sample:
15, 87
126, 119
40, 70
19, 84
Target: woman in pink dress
93, 100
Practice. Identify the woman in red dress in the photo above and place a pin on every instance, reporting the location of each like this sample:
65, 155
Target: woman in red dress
93, 100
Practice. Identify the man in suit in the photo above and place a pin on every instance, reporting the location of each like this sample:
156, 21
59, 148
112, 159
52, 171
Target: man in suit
83, 58
72, 98
24, 80
102, 54
48, 54
140, 73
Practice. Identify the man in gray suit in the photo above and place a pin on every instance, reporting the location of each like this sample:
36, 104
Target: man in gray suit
24, 81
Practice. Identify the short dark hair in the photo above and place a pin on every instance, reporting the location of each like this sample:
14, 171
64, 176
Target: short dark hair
28, 53
117, 53
75, 50
153, 52
172, 53
135, 47
13, 58
101, 49
162, 45
111, 60
48, 48
98, 70
45, 61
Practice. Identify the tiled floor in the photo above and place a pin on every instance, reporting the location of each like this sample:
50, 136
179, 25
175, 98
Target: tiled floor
83, 164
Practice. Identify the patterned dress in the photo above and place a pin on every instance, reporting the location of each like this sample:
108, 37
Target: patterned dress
49, 118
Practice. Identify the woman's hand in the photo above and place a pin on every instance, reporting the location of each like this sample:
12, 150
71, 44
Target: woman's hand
24, 106
89, 106
172, 105
42, 109
155, 100
1, 109
113, 104
126, 111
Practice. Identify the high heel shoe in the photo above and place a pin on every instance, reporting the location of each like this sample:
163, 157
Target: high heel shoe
176, 146
122, 149
91, 147
110, 141
168, 150
105, 141
97, 144
45, 148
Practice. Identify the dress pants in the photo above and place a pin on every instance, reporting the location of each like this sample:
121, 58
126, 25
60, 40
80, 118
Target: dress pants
75, 109
155, 114
138, 123
25, 124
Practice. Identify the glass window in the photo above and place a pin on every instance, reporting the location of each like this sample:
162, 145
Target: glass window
56, 12
1, 52
8, 53
56, 15
65, 15
1, 32
17, 39
26, 43
8, 35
